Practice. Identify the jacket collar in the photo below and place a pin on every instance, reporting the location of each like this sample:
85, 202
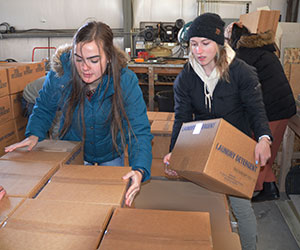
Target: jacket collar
60, 62
256, 40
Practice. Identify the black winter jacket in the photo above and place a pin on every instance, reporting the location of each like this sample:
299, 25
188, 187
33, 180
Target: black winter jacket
258, 50
239, 101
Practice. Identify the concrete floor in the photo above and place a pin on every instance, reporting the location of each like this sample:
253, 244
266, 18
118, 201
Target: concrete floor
273, 231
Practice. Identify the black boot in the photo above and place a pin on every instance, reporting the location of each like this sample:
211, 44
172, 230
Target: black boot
269, 192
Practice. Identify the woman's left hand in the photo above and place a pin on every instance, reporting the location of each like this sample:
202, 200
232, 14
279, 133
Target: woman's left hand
262, 151
136, 179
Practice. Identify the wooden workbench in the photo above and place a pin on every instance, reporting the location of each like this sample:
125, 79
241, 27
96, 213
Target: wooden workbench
288, 147
151, 70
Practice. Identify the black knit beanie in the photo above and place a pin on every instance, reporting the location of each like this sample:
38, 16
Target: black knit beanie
208, 25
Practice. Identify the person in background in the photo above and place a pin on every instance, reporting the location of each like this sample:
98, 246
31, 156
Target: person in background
30, 93
101, 102
215, 84
2, 193
258, 50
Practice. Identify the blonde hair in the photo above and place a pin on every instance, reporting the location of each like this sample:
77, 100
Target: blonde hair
222, 64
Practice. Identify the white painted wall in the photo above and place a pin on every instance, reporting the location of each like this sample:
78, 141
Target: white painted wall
59, 14
70, 14
170, 10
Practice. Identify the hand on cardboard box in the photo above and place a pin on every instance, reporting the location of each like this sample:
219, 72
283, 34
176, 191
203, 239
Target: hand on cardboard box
136, 179
2, 192
262, 151
30, 141
169, 171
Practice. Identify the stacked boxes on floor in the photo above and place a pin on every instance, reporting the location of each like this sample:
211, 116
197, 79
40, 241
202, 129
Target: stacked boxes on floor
55, 202
13, 79
161, 129
52, 204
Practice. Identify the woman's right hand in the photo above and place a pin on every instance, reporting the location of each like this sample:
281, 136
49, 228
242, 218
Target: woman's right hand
169, 171
2, 192
30, 142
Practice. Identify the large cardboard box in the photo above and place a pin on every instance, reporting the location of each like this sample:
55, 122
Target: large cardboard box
20, 127
5, 109
21, 73
25, 179
157, 229
89, 184
64, 152
7, 136
162, 131
16, 104
8, 206
157, 167
160, 116
178, 195
3, 83
60, 218
24, 238
216, 155
261, 21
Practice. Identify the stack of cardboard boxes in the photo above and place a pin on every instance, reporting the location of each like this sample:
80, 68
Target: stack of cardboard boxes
53, 201
161, 129
13, 79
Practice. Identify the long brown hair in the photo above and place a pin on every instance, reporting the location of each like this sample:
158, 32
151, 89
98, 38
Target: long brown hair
222, 64
103, 36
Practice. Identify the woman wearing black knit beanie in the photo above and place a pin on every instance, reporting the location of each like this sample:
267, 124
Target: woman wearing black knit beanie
215, 84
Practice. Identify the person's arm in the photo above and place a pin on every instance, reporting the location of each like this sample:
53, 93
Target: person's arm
45, 108
182, 107
251, 96
183, 113
139, 142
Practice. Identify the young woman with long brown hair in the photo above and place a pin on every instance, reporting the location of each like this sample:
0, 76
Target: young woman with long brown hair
101, 102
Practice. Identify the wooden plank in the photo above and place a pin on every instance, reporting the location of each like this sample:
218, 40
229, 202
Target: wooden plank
291, 217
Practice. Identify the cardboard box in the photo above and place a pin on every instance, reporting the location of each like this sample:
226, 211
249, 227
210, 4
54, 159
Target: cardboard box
21, 73
3, 83
63, 152
60, 217
261, 21
89, 184
5, 109
157, 168
160, 116
24, 238
8, 206
8, 135
20, 127
16, 104
294, 79
186, 196
165, 116
162, 131
25, 179
216, 155
151, 116
157, 229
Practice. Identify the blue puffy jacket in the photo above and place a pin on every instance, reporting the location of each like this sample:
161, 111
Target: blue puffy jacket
98, 146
